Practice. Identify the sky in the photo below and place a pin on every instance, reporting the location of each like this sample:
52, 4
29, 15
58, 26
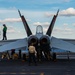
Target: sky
38, 12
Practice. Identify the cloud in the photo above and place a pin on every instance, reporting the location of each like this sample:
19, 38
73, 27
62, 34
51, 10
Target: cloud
68, 12
43, 24
37, 23
73, 24
12, 15
9, 10
11, 29
67, 31
47, 14
65, 24
56, 30
10, 20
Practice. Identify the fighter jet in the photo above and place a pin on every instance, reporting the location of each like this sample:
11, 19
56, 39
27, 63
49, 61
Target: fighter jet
45, 42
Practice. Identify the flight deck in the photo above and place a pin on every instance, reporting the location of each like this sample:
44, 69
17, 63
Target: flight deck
19, 67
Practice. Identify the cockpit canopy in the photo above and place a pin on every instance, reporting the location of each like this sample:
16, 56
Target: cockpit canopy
39, 29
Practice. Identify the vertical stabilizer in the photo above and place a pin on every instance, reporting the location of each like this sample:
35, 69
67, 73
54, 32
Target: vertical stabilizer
49, 31
28, 31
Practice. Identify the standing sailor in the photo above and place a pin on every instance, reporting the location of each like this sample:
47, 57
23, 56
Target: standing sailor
32, 52
4, 32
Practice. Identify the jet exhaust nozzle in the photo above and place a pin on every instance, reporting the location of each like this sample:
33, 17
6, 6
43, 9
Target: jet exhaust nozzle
33, 39
44, 40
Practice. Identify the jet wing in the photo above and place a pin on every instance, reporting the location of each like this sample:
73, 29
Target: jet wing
58, 43
14, 45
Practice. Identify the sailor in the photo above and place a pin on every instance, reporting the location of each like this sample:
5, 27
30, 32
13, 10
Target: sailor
12, 53
54, 56
19, 54
39, 53
32, 52
4, 32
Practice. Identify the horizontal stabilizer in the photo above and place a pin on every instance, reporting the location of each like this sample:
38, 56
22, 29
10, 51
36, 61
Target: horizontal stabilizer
14, 45
58, 43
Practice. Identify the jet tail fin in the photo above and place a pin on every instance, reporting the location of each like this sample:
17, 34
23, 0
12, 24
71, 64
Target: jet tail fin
28, 31
19, 13
49, 31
